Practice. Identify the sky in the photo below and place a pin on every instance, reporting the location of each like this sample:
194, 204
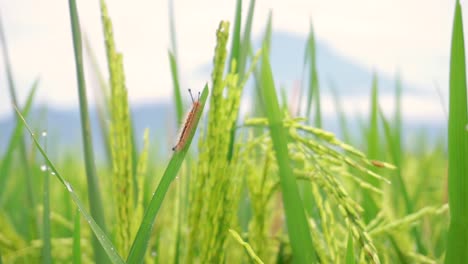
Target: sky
410, 37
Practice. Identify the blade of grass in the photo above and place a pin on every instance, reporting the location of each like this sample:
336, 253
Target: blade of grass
399, 186
392, 143
341, 114
313, 92
177, 94
236, 39
15, 141
98, 232
174, 65
94, 194
401, 256
77, 239
235, 56
457, 242
46, 238
183, 183
172, 28
369, 204
298, 229
140, 244
245, 46
268, 33
350, 250
266, 44
22, 145
102, 101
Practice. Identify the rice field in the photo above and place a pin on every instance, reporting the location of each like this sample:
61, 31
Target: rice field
270, 186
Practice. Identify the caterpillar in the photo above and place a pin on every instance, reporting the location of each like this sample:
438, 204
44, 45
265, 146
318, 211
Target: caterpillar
189, 123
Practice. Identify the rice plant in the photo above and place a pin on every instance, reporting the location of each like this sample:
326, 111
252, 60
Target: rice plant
268, 186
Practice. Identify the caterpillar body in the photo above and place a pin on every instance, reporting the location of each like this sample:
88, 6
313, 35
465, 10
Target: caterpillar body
189, 123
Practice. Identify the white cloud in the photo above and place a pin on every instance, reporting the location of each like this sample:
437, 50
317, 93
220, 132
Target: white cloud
412, 36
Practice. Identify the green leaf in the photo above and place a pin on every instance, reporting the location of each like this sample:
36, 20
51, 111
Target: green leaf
77, 239
140, 244
236, 40
99, 233
350, 259
102, 101
174, 66
313, 92
298, 228
369, 204
457, 246
46, 237
177, 94
246, 41
236, 55
33, 219
15, 140
94, 194
341, 114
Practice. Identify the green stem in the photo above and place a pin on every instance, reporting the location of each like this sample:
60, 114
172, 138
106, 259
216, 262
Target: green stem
94, 195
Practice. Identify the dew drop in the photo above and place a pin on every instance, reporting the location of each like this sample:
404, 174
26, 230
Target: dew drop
44, 133
53, 173
43, 167
154, 253
69, 188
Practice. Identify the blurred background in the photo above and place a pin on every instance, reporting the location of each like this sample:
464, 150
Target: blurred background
394, 39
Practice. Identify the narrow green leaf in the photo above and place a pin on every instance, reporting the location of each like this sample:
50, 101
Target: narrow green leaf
341, 114
246, 41
33, 220
102, 101
401, 256
457, 245
313, 91
177, 94
98, 232
174, 65
373, 136
298, 228
140, 244
350, 259
398, 183
268, 33
94, 194
172, 28
46, 237
14, 141
77, 239
369, 204
235, 56
266, 44
236, 40
392, 143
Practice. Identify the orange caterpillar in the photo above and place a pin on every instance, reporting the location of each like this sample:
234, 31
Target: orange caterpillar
189, 123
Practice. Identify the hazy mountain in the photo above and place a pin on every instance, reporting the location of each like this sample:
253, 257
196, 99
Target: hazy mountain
347, 76
287, 55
